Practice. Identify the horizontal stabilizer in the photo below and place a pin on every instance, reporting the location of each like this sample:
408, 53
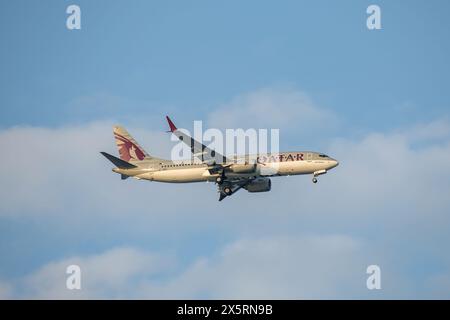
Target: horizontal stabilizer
119, 163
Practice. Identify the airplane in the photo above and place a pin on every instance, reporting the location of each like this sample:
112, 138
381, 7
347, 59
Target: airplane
250, 172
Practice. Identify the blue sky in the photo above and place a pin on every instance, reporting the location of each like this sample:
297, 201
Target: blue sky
378, 101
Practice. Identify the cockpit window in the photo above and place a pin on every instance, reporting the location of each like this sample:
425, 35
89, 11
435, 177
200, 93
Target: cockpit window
323, 156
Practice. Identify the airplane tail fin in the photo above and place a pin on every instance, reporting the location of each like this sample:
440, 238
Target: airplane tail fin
129, 149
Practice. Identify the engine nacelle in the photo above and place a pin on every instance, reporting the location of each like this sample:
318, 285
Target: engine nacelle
259, 185
243, 168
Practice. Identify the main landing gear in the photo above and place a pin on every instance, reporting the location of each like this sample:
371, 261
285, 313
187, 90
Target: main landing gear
314, 180
220, 179
224, 188
227, 191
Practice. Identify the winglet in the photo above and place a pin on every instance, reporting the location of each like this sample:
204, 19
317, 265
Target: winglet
171, 125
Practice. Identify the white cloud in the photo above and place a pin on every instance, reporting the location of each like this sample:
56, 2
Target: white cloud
387, 173
269, 267
5, 291
283, 108
49, 171
438, 286
437, 130
111, 274
275, 267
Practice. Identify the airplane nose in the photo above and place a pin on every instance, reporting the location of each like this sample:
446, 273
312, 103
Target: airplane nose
334, 163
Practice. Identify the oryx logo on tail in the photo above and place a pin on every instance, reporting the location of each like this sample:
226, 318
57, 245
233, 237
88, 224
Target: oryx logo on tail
129, 150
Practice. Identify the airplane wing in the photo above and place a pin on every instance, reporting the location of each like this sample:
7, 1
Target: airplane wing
217, 163
199, 150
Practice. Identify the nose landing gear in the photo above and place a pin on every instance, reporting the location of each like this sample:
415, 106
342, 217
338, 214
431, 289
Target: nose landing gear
318, 173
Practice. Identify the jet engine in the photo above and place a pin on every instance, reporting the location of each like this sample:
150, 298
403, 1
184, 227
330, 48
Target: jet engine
243, 168
259, 185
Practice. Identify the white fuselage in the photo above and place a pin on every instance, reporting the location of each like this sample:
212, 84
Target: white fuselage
283, 164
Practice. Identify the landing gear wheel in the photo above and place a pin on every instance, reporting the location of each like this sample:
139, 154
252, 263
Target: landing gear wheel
314, 180
227, 191
219, 180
